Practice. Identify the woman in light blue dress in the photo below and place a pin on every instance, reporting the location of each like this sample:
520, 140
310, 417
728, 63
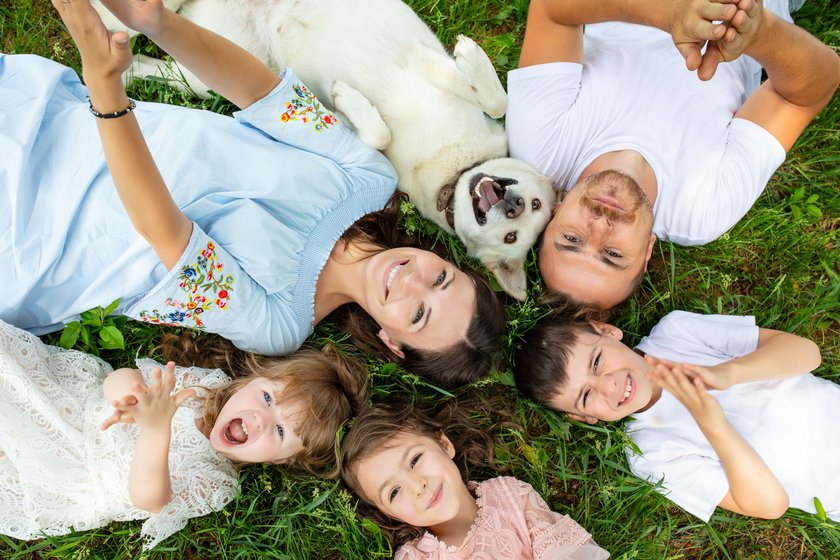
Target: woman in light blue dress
246, 229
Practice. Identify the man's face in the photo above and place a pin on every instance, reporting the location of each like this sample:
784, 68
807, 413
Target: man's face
599, 240
607, 380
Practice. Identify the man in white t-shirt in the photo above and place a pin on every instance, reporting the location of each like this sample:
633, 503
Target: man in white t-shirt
641, 147
745, 429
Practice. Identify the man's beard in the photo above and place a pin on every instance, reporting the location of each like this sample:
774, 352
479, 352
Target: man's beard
617, 185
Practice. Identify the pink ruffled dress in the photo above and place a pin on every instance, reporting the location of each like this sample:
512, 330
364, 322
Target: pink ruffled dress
513, 523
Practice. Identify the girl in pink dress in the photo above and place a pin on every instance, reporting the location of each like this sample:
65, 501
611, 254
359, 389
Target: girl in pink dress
406, 462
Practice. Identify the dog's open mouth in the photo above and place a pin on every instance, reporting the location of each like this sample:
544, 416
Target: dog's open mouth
489, 192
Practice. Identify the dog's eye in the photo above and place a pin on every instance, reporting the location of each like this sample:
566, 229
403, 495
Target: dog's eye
536, 204
510, 238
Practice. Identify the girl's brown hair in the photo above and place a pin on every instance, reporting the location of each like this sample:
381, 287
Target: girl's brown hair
328, 389
376, 428
467, 359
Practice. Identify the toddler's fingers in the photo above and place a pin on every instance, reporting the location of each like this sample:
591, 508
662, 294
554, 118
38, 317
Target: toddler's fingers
183, 395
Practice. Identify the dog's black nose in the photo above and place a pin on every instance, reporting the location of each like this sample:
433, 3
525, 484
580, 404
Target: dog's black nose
514, 206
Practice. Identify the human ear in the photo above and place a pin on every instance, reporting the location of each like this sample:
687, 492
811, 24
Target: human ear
580, 418
649, 253
446, 444
392, 345
607, 329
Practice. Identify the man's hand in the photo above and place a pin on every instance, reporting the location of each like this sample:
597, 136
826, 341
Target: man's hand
145, 16
692, 24
741, 31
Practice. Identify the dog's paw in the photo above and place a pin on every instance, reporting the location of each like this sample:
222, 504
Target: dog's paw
364, 117
479, 72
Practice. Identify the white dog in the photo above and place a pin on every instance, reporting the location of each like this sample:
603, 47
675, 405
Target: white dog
384, 70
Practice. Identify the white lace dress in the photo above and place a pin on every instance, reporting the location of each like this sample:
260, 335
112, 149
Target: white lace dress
59, 471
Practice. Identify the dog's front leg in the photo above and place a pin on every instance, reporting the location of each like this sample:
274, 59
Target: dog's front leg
364, 117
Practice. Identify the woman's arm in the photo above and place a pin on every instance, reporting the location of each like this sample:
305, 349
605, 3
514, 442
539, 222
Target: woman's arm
223, 66
142, 191
753, 488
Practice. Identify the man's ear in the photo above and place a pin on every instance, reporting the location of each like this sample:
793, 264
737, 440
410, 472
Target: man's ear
446, 444
607, 329
392, 345
649, 253
588, 419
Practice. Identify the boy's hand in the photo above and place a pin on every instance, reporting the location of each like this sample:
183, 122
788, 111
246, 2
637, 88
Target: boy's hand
145, 16
103, 55
152, 407
714, 377
690, 391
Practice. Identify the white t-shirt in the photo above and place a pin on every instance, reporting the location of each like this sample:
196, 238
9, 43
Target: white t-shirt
634, 92
791, 423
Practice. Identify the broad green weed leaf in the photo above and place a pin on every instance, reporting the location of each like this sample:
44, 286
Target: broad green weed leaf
112, 338
70, 334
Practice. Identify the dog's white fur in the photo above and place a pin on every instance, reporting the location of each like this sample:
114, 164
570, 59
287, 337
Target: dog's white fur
384, 70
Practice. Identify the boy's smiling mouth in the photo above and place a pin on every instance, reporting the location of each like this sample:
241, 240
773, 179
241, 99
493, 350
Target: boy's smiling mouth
629, 390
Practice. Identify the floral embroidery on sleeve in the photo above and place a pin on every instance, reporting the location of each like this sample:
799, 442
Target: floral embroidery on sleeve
206, 287
306, 108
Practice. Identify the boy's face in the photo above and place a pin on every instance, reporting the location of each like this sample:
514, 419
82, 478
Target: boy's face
606, 379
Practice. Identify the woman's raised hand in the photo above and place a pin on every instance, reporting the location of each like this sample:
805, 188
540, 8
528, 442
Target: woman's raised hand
145, 16
104, 55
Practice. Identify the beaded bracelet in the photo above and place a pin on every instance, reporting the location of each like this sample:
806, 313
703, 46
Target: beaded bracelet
115, 114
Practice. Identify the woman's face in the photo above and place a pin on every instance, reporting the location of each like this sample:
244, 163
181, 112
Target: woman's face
418, 299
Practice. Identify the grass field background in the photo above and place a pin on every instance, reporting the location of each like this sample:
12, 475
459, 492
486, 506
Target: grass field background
780, 263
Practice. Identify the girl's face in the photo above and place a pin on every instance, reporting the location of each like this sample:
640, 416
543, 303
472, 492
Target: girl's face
418, 299
414, 480
253, 427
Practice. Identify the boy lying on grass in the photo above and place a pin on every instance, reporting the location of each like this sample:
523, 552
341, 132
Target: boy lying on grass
764, 433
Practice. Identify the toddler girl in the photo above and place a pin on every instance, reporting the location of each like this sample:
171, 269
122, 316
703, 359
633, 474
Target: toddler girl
63, 469
404, 461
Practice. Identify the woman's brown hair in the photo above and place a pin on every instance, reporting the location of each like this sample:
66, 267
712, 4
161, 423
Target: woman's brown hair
326, 387
376, 428
467, 359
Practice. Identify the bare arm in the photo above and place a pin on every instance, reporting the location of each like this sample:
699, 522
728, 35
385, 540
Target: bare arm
557, 25
753, 488
778, 355
802, 75
225, 67
142, 191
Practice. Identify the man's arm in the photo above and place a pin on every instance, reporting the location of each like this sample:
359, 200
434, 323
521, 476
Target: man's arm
753, 488
802, 75
222, 65
554, 29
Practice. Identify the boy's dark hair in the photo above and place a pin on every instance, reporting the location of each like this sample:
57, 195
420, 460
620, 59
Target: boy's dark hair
541, 362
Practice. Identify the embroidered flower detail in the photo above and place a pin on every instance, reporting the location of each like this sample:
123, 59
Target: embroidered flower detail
306, 108
206, 288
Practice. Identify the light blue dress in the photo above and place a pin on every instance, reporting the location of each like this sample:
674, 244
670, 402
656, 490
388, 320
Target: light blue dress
269, 192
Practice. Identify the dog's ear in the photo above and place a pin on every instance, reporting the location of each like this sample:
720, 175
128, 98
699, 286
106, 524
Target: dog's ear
511, 275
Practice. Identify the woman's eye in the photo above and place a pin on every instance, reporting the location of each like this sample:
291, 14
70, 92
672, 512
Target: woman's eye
571, 238
280, 431
614, 254
393, 493
415, 460
267, 398
417, 316
441, 277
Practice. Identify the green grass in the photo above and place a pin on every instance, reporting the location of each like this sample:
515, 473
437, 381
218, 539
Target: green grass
779, 263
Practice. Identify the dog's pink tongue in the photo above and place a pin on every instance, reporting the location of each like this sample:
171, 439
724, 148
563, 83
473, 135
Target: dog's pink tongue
489, 198
236, 432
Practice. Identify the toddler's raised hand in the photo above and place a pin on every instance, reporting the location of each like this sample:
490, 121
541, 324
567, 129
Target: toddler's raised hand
691, 392
156, 404
104, 55
145, 16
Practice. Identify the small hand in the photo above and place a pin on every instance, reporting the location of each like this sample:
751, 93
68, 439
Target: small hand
690, 392
103, 54
145, 16
121, 412
714, 377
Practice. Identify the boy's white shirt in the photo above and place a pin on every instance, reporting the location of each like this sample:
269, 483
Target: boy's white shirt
791, 423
